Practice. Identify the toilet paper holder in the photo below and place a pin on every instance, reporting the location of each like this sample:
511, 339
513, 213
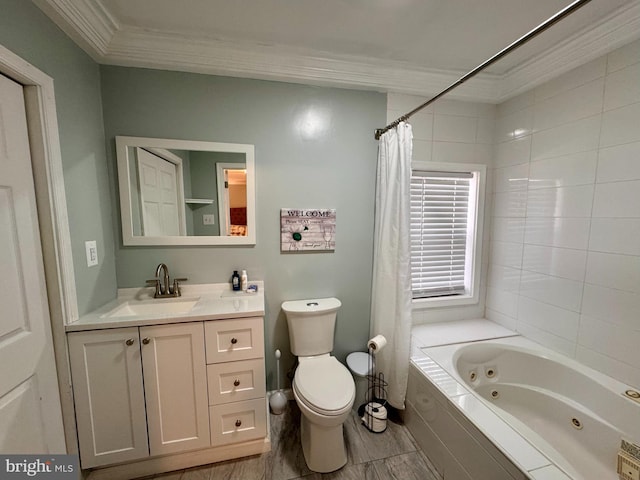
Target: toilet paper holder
374, 410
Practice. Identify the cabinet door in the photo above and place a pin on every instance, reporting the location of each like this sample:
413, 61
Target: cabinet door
109, 397
175, 379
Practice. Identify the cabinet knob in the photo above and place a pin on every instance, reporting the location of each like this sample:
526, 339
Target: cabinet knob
236, 382
146, 341
234, 341
130, 342
238, 423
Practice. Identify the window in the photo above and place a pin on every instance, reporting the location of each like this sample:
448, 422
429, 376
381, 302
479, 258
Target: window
446, 219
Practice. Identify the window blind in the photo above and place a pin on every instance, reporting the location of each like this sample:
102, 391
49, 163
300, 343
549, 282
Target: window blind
439, 223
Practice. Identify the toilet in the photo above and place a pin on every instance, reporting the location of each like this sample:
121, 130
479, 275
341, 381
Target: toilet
323, 388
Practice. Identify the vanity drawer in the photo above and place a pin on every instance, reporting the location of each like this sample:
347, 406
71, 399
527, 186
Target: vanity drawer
234, 339
236, 381
238, 421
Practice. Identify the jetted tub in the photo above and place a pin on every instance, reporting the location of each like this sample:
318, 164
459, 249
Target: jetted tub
573, 416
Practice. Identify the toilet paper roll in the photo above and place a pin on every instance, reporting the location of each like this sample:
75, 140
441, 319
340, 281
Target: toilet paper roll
377, 343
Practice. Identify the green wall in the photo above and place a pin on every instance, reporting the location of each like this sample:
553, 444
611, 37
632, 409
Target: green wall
296, 166
27, 32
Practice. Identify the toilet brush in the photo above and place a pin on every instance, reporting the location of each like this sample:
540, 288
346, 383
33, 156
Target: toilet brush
278, 400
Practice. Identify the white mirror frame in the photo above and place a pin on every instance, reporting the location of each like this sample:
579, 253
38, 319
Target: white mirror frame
122, 153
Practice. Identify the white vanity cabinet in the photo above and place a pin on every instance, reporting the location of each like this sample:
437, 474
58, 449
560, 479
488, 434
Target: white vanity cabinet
134, 380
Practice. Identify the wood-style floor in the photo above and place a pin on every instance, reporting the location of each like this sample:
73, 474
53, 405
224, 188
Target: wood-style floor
392, 454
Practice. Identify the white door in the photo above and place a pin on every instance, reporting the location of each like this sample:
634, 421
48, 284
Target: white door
109, 396
175, 382
30, 414
158, 195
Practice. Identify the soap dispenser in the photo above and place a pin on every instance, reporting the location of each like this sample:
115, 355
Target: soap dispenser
235, 281
244, 281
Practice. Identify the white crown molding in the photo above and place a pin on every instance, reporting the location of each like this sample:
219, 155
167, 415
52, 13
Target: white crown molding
143, 48
617, 29
97, 31
88, 22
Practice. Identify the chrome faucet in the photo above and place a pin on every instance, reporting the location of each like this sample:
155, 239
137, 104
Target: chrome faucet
163, 285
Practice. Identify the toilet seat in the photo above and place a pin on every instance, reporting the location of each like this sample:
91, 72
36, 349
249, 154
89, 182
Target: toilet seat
324, 385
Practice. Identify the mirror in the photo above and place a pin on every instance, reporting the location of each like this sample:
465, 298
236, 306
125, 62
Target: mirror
181, 192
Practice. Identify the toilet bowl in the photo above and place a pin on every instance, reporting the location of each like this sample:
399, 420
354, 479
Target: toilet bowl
324, 391
322, 387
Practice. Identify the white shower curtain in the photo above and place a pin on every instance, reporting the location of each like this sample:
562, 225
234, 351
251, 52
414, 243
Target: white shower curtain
391, 288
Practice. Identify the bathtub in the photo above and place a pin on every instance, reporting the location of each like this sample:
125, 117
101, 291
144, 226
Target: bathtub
520, 405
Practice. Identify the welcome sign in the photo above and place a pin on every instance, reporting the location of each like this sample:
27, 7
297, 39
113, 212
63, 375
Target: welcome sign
303, 230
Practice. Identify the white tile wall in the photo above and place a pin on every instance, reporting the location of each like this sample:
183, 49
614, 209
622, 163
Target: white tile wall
558, 262
574, 201
624, 57
562, 232
617, 200
579, 102
621, 272
508, 229
619, 163
623, 87
620, 126
574, 169
577, 136
615, 235
452, 152
451, 131
512, 178
454, 128
564, 207
566, 272
572, 79
513, 152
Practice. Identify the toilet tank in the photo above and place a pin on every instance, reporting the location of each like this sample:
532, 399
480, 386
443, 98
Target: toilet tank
311, 325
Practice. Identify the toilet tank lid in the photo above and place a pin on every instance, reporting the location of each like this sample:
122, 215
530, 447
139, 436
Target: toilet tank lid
315, 305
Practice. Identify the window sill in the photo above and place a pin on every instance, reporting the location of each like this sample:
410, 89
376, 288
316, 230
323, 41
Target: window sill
441, 302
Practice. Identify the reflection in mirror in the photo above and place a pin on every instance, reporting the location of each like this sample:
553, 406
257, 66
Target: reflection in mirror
177, 192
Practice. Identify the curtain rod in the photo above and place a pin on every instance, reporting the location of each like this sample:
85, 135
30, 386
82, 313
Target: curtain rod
521, 41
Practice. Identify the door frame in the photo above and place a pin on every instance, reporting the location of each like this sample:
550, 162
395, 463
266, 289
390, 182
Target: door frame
224, 215
46, 160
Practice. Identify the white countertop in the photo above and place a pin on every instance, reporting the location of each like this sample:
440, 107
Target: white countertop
215, 301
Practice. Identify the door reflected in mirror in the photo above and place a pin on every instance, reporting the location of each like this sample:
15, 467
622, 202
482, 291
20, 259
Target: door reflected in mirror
178, 192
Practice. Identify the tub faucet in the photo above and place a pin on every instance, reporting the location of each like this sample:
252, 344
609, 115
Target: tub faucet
163, 285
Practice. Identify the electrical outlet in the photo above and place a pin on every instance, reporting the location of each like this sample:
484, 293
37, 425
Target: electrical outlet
209, 219
628, 467
92, 253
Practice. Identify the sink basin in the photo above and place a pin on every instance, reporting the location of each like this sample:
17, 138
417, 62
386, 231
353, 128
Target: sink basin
169, 306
